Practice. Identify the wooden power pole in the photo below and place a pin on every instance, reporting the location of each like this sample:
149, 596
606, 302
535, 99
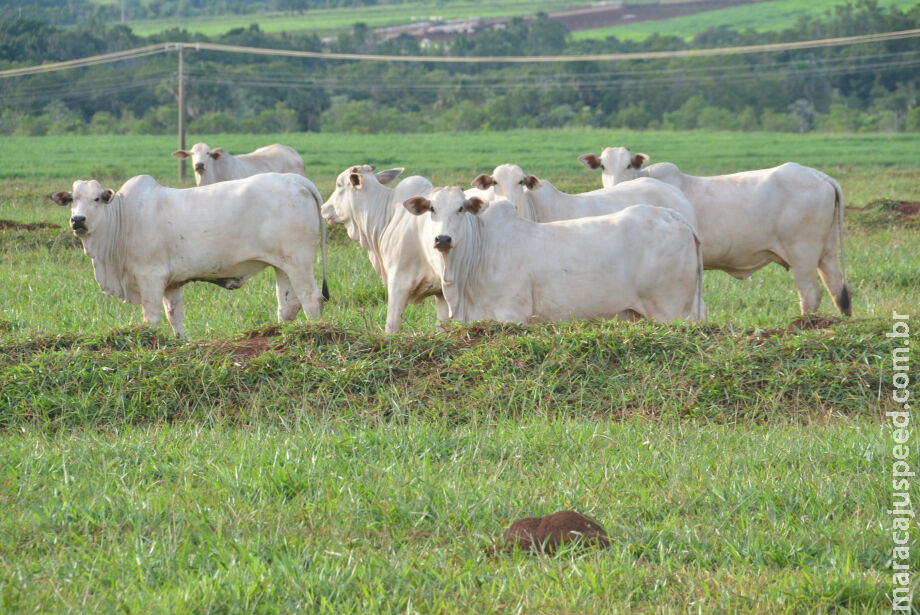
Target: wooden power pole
181, 113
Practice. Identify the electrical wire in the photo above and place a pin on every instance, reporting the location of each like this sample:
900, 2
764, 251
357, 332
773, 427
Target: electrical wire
602, 57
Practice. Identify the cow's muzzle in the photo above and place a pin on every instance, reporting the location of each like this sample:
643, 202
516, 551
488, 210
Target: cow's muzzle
78, 224
443, 243
199, 168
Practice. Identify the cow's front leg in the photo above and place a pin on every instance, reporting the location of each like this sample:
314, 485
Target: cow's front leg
172, 303
443, 313
152, 296
397, 300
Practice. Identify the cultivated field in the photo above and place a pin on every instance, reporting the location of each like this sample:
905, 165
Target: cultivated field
742, 465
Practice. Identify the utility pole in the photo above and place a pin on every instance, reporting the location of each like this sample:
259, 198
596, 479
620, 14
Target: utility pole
181, 113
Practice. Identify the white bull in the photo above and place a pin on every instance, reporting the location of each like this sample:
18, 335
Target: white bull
373, 215
216, 165
540, 201
146, 240
493, 264
791, 215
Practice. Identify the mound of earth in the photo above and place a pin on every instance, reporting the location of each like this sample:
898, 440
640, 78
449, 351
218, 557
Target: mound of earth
546, 534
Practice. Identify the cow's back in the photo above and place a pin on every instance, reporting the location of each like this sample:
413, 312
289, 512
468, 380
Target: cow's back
597, 267
250, 218
275, 158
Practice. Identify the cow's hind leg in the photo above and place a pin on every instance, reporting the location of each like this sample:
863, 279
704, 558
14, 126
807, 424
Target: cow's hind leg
806, 282
834, 280
297, 290
172, 303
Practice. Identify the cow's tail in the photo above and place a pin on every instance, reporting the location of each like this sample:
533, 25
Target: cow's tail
700, 315
318, 198
842, 298
698, 312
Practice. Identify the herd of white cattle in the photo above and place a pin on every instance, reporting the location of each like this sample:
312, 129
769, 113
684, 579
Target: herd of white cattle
511, 248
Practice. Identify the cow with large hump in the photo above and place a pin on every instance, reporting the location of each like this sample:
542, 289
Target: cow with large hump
643, 261
216, 165
540, 201
791, 215
146, 241
373, 215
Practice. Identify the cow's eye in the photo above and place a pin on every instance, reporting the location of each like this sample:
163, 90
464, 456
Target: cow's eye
96, 199
460, 209
431, 209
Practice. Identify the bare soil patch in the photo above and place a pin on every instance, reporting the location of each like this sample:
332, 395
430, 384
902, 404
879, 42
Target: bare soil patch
619, 14
810, 322
26, 226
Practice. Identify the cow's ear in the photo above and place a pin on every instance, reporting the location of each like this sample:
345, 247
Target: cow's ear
62, 198
107, 195
591, 161
638, 160
531, 182
356, 180
216, 153
417, 205
181, 154
385, 177
483, 182
475, 205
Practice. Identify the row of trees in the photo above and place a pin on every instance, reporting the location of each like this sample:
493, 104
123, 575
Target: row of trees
870, 87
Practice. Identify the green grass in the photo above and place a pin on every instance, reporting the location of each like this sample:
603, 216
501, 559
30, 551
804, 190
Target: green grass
325, 21
400, 515
761, 16
323, 467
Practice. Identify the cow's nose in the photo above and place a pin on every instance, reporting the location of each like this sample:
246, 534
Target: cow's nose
199, 167
78, 221
442, 243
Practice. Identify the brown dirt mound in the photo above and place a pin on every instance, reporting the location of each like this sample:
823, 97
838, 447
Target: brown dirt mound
546, 534
30, 226
907, 210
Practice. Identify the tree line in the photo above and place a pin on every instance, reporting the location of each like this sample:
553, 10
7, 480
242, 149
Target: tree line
867, 87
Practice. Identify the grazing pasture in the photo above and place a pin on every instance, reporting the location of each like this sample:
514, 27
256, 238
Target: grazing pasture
742, 465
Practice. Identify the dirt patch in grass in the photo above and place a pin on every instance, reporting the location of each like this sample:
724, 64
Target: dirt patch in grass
252, 345
29, 226
811, 322
884, 212
617, 14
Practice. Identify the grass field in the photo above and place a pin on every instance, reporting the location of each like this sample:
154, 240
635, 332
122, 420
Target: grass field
323, 467
771, 15
327, 21
761, 16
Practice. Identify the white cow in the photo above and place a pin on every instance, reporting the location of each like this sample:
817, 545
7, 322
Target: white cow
216, 165
790, 214
540, 201
495, 265
146, 240
374, 216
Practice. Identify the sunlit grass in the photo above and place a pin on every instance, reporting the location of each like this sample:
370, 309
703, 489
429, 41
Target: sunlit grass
335, 470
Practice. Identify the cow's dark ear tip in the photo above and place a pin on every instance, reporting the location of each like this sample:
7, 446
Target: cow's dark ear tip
417, 205
475, 205
61, 198
483, 181
107, 195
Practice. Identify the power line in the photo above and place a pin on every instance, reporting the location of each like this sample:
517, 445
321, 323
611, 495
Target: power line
602, 57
